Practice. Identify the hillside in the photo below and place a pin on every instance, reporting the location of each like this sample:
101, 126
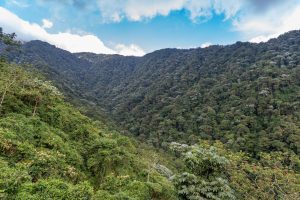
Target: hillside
246, 95
49, 150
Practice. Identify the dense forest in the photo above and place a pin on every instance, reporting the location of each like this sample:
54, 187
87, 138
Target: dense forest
245, 95
49, 150
224, 119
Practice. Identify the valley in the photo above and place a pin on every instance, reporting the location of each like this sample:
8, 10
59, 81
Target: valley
221, 122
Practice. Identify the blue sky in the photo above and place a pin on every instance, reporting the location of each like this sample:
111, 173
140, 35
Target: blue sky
136, 27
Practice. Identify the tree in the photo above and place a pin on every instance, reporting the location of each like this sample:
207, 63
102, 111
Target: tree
9, 77
205, 178
38, 92
9, 44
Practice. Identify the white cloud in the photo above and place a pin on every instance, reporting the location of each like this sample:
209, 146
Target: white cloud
269, 25
206, 44
65, 40
78, 43
129, 50
256, 20
137, 10
47, 23
205, 9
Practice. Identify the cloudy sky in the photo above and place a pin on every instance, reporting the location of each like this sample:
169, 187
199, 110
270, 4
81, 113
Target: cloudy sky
136, 27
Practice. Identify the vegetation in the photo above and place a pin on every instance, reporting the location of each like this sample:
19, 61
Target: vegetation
214, 172
245, 95
48, 150
225, 119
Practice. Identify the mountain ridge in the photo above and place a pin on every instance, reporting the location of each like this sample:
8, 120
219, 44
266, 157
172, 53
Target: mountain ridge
225, 120
160, 96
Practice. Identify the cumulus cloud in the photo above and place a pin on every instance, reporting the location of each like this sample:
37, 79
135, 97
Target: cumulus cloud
271, 24
47, 23
129, 50
65, 40
257, 20
137, 10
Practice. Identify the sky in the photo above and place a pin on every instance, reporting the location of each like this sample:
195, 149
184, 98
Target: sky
137, 27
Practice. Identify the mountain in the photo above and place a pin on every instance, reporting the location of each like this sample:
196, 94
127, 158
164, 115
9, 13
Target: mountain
50, 150
246, 95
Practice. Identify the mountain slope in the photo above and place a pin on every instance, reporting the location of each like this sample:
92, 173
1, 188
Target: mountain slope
246, 95
49, 150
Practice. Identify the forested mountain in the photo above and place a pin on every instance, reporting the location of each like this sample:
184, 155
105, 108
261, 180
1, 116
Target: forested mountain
246, 95
49, 150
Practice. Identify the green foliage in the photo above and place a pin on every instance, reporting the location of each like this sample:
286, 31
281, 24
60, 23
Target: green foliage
272, 176
206, 176
11, 179
204, 162
214, 172
245, 95
49, 150
55, 189
8, 39
192, 187
8, 44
